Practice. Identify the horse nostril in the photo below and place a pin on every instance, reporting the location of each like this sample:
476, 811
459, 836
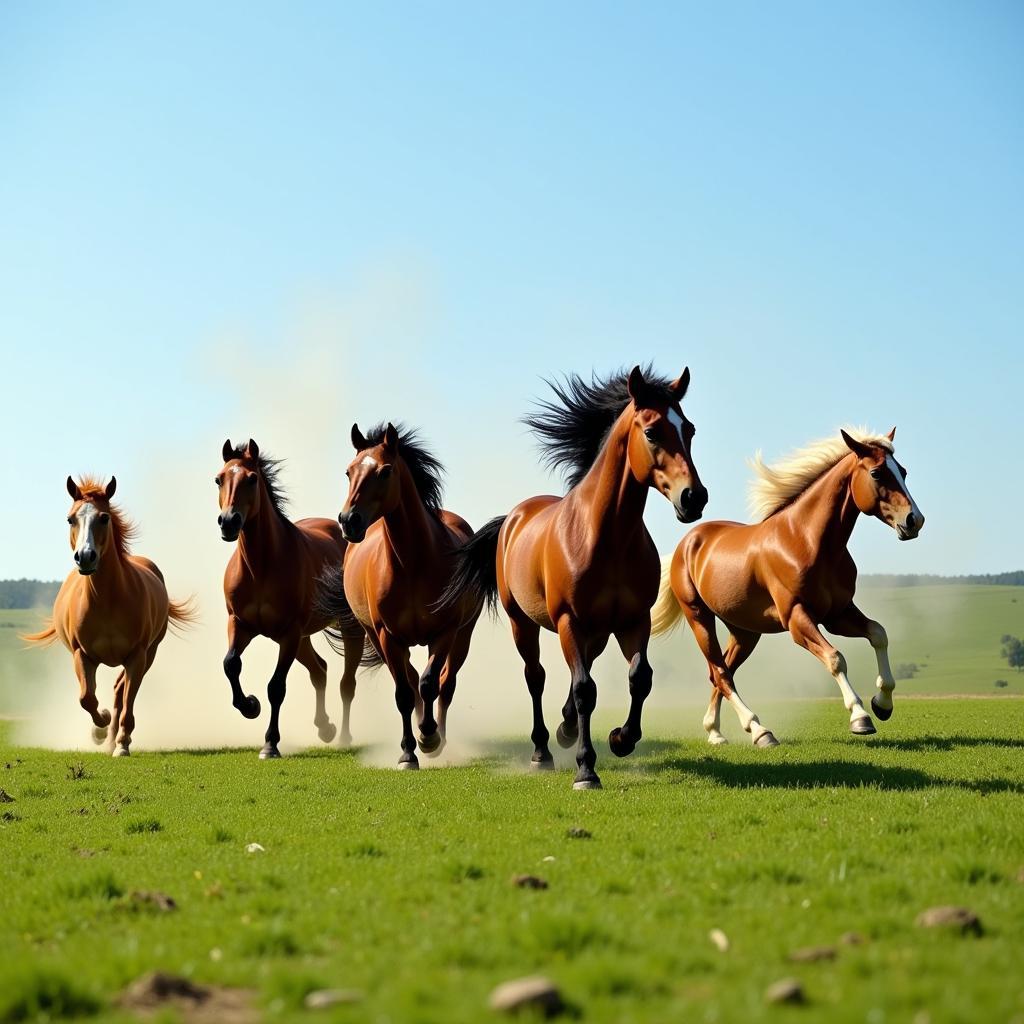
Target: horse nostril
686, 496
911, 521
78, 558
220, 519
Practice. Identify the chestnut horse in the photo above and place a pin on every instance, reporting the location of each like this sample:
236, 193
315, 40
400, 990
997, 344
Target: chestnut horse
271, 589
401, 544
791, 571
111, 610
584, 565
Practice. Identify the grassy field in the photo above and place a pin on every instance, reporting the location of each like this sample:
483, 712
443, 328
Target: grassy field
398, 885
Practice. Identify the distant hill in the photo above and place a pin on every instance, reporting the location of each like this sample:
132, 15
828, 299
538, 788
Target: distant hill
999, 579
28, 593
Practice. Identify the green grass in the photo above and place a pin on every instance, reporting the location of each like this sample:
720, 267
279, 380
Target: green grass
398, 884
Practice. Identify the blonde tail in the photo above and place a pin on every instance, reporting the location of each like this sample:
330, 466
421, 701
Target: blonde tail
43, 638
182, 615
666, 613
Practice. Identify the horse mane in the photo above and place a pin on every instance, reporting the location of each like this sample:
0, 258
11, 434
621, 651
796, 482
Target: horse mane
426, 469
124, 530
270, 470
775, 486
572, 428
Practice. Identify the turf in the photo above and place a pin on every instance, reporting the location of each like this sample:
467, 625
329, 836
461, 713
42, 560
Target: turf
398, 884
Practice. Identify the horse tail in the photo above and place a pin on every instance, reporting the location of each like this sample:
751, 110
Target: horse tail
44, 638
329, 603
666, 613
182, 615
475, 570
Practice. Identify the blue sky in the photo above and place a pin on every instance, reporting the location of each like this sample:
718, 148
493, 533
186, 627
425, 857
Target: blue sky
246, 219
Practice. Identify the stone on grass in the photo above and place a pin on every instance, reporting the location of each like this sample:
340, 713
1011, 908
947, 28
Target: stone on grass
529, 882
154, 899
254, 848
531, 994
325, 998
719, 939
157, 992
785, 990
812, 954
960, 919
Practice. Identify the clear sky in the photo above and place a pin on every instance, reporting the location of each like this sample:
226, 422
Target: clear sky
274, 219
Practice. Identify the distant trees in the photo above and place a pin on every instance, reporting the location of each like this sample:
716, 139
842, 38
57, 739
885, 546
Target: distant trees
27, 593
1013, 651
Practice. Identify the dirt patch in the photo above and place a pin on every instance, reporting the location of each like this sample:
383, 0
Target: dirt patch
196, 1004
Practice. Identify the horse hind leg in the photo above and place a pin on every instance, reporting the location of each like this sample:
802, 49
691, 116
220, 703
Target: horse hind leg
526, 635
316, 666
713, 718
449, 678
353, 657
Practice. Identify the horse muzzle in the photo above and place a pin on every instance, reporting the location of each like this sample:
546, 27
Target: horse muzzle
910, 527
230, 524
87, 561
353, 526
690, 504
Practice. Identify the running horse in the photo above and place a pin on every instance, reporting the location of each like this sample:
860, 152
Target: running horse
583, 565
792, 571
271, 589
401, 547
112, 609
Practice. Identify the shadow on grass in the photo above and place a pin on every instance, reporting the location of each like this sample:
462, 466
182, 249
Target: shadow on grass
932, 743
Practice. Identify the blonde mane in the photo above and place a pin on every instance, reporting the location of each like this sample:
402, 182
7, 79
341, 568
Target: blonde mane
774, 487
123, 529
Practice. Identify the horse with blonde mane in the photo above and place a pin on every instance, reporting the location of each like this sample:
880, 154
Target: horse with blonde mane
112, 609
791, 571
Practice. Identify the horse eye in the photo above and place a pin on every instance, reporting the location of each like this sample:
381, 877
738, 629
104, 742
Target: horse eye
876, 474
218, 480
104, 518
651, 434
71, 520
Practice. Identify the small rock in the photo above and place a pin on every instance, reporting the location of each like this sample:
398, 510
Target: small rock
5, 797
852, 939
719, 939
959, 918
548, 859
812, 954
159, 900
578, 833
533, 994
786, 990
255, 848
325, 998
529, 882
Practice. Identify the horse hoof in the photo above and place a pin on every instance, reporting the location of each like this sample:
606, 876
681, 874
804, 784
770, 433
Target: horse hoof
862, 726
251, 708
121, 752
327, 732
590, 781
430, 744
99, 735
269, 752
409, 766
716, 739
434, 751
565, 738
345, 743
881, 713
621, 745
542, 762
766, 739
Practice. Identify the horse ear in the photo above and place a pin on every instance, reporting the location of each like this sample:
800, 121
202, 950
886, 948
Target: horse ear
111, 487
637, 387
680, 384
358, 441
228, 451
858, 448
74, 490
892, 434
391, 438
252, 449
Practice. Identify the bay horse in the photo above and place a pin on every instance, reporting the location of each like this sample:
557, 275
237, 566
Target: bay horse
271, 589
791, 571
583, 565
112, 609
401, 547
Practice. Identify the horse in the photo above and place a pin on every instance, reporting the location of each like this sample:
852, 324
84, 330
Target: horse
271, 589
583, 565
791, 571
112, 609
401, 546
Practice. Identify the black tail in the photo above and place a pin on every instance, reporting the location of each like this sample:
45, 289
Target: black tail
329, 603
475, 571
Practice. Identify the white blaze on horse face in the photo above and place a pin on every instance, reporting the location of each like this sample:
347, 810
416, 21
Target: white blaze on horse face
895, 470
368, 460
677, 421
86, 522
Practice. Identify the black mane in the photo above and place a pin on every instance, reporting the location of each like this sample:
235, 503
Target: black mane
572, 430
427, 472
270, 470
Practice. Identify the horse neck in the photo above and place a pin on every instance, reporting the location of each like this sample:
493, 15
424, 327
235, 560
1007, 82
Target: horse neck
407, 527
109, 576
613, 497
262, 539
826, 512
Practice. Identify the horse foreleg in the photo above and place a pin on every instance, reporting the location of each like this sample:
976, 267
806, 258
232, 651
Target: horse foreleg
119, 688
276, 688
353, 656
134, 669
396, 657
317, 668
85, 670
239, 637
853, 622
805, 632
633, 644
579, 656
713, 718
429, 688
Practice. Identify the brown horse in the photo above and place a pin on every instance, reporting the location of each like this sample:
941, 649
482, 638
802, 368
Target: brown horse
112, 610
271, 589
401, 544
584, 566
791, 571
